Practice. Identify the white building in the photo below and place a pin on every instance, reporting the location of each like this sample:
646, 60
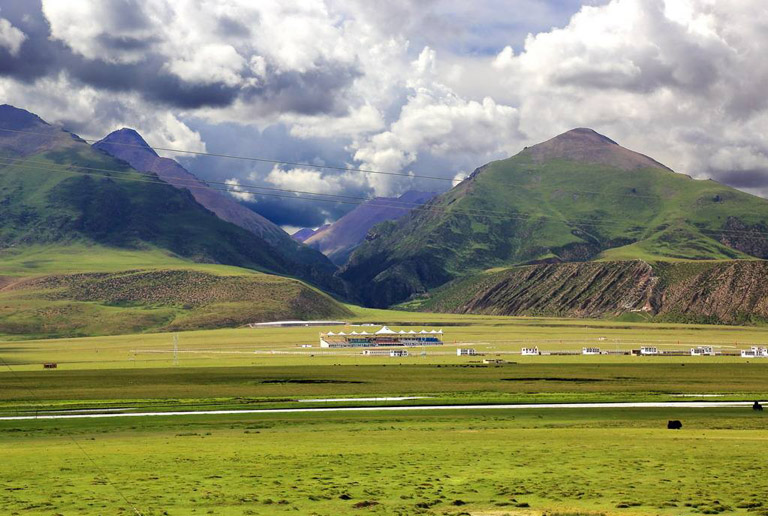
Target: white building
385, 352
649, 350
700, 351
465, 351
754, 352
528, 352
590, 351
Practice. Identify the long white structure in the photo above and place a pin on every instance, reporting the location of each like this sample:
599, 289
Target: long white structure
381, 338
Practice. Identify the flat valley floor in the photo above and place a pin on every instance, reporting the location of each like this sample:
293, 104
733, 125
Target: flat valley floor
484, 461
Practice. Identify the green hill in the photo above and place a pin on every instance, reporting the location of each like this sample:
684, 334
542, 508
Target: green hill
87, 244
577, 197
105, 296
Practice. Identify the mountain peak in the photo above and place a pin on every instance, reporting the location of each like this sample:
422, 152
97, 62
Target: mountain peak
126, 137
18, 119
585, 135
589, 146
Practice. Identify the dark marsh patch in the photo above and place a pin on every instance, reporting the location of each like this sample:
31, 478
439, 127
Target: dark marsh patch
308, 381
553, 379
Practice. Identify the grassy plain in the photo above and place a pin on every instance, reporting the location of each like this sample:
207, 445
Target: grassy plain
270, 368
525, 462
479, 462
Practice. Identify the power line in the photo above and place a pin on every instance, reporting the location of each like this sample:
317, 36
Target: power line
82, 450
330, 167
153, 179
250, 158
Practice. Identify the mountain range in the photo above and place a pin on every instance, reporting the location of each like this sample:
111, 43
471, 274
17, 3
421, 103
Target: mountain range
339, 239
112, 238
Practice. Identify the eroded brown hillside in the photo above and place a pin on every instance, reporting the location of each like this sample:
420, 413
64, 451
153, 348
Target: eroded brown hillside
733, 292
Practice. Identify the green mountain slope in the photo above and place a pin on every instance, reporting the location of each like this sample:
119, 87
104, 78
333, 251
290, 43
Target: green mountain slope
56, 189
577, 197
301, 260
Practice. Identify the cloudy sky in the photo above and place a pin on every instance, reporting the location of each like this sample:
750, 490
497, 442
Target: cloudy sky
432, 87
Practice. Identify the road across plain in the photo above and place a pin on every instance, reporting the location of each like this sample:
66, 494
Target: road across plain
520, 406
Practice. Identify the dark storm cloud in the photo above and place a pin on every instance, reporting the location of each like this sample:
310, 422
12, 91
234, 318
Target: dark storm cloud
313, 92
310, 93
752, 178
297, 212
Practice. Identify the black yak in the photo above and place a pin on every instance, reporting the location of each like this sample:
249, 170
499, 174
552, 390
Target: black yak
674, 425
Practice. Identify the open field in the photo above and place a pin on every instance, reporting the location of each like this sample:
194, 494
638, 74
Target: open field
479, 463
268, 368
281, 346
523, 462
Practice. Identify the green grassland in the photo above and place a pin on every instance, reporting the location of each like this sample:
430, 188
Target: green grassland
490, 462
269, 368
526, 462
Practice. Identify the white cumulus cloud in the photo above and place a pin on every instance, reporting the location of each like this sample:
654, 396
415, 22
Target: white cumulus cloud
11, 37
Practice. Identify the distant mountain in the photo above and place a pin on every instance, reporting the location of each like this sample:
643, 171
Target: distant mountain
304, 233
298, 260
577, 197
338, 240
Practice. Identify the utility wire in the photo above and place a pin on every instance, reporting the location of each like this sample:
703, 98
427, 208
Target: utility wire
71, 437
153, 179
330, 167
250, 158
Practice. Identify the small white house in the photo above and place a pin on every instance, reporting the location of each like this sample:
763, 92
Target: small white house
701, 351
754, 352
649, 350
465, 352
590, 351
528, 352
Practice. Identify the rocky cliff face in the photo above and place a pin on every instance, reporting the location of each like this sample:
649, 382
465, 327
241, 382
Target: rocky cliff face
730, 292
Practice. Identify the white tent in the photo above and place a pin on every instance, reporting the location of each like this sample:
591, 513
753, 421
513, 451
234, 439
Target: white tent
385, 331
330, 333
